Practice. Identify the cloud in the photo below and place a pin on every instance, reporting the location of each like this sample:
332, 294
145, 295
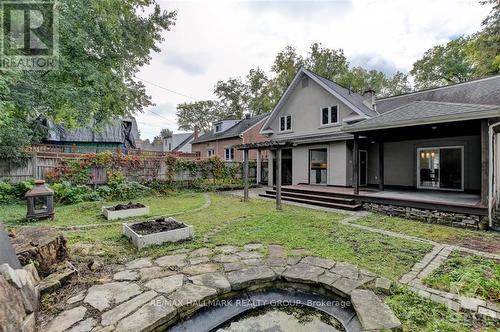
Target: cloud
373, 61
301, 9
190, 63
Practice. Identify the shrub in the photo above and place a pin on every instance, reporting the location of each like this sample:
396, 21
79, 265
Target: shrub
11, 192
20, 189
67, 193
6, 192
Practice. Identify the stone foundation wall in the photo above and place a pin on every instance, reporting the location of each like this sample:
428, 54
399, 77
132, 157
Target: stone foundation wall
430, 216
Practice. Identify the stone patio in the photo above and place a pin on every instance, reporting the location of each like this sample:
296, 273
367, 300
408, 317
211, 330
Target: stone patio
151, 293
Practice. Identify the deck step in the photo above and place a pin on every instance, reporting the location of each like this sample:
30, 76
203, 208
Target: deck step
316, 203
312, 191
315, 197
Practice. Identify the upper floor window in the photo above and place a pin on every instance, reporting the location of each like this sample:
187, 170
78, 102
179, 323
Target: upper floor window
218, 127
286, 123
210, 152
228, 154
330, 115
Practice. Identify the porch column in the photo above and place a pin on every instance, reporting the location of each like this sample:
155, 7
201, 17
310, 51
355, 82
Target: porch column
484, 162
245, 175
355, 164
381, 165
258, 170
278, 179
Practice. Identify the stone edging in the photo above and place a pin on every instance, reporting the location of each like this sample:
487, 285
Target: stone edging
148, 293
432, 261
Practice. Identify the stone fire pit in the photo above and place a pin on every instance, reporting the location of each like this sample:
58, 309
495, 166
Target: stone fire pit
159, 231
121, 211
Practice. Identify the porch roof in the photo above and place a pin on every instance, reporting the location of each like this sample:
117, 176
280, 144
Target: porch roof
262, 145
425, 112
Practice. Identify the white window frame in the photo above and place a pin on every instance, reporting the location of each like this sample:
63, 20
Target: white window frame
215, 127
231, 152
461, 147
291, 123
210, 152
330, 123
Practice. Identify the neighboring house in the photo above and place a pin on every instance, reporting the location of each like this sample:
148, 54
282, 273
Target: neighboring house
429, 146
176, 143
220, 141
119, 134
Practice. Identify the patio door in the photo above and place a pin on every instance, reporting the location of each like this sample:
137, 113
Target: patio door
441, 168
318, 161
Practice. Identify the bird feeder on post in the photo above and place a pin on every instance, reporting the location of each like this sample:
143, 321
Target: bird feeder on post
40, 202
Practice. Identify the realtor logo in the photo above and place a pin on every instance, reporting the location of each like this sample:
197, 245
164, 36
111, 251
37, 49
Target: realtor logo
29, 35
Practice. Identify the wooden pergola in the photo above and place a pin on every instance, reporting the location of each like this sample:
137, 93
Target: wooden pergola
267, 145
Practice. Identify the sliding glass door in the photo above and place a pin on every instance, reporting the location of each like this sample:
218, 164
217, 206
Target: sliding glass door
441, 168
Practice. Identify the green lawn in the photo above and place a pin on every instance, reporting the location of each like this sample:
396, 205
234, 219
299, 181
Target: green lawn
479, 240
468, 275
90, 212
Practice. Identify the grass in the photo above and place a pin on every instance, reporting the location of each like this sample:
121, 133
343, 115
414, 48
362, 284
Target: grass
480, 240
422, 315
468, 275
90, 212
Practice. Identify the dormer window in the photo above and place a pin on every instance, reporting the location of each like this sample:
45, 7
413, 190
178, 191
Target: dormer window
330, 115
286, 123
218, 127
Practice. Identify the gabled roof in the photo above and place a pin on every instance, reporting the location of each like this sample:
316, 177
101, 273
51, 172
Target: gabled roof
187, 137
425, 112
234, 131
484, 91
351, 99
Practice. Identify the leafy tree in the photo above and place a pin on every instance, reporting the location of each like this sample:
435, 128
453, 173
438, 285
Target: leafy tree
102, 44
164, 134
326, 62
233, 97
444, 64
259, 98
198, 113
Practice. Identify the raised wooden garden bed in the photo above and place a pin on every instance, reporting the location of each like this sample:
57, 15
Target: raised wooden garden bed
159, 231
122, 211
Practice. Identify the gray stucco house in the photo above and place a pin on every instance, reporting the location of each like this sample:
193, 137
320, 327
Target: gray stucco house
430, 150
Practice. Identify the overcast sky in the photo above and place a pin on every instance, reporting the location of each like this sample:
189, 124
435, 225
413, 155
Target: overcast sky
215, 40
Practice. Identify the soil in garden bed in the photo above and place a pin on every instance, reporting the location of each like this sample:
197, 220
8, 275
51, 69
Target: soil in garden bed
128, 206
156, 226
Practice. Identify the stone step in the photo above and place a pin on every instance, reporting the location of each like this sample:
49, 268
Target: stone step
317, 203
315, 196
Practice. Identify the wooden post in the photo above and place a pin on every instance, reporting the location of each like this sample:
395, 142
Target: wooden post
278, 179
381, 165
245, 175
258, 175
355, 164
484, 162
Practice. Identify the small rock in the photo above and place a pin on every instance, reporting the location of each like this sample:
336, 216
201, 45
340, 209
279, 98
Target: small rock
166, 285
178, 260
95, 266
66, 319
198, 260
126, 275
32, 270
139, 263
55, 280
276, 251
383, 284
10, 275
77, 298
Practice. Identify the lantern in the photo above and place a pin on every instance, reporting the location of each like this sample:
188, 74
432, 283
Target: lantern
40, 201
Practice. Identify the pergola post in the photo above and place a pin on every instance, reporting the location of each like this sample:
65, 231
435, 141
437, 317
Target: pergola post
245, 175
381, 165
355, 165
258, 174
278, 179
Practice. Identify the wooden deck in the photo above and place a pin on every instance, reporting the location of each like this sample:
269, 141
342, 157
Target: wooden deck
344, 198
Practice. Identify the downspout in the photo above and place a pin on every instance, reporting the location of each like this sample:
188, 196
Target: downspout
490, 172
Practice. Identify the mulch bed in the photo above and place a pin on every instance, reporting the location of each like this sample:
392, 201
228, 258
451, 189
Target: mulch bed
156, 226
128, 206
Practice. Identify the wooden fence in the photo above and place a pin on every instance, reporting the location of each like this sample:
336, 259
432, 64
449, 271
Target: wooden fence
44, 159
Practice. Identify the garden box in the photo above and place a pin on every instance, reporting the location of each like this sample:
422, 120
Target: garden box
125, 211
141, 236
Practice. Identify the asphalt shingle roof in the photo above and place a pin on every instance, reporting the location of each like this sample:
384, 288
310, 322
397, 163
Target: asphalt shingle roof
234, 131
484, 91
421, 111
